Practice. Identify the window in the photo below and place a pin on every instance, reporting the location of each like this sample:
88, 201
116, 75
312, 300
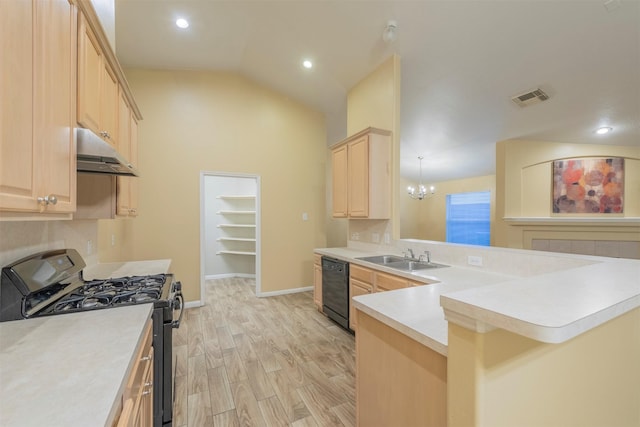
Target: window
469, 218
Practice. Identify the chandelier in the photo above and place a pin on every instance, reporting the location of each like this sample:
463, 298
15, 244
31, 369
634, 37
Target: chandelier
420, 192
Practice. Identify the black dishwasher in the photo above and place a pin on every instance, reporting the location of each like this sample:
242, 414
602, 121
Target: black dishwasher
335, 290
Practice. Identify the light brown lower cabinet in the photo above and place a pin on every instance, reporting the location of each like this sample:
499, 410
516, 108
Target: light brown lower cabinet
137, 399
364, 280
317, 281
399, 382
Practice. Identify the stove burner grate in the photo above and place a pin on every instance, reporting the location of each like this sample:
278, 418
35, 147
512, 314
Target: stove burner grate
96, 294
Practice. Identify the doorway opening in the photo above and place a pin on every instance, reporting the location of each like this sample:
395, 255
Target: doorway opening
229, 227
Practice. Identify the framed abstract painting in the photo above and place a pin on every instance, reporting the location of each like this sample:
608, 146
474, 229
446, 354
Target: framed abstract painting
588, 186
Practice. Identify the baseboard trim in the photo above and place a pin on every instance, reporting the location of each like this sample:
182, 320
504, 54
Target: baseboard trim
285, 292
193, 304
228, 275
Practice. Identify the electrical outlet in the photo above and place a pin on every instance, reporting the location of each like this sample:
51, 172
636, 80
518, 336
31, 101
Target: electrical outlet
474, 260
305, 216
113, 240
355, 236
387, 238
89, 247
375, 237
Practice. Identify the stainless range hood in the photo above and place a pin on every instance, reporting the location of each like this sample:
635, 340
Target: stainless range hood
97, 156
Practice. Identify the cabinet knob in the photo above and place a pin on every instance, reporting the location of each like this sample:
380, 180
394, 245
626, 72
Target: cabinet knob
145, 358
48, 200
105, 134
147, 392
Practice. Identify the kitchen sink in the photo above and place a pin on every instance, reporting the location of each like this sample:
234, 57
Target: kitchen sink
407, 265
401, 263
382, 259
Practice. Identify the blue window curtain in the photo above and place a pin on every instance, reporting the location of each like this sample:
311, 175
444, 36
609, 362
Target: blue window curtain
469, 218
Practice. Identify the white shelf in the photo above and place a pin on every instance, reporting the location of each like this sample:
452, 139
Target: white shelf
236, 197
235, 253
236, 239
236, 212
236, 226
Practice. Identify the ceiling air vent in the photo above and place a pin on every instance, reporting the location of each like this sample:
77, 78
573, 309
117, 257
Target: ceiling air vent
530, 98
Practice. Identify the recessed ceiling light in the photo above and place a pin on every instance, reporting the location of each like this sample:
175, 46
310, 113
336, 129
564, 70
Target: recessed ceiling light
182, 23
307, 64
604, 130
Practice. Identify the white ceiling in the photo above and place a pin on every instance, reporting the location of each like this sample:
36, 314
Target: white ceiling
462, 61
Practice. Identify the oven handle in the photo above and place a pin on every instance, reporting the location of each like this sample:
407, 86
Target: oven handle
176, 323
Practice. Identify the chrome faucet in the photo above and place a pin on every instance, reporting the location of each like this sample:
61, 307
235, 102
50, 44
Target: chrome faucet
426, 255
411, 253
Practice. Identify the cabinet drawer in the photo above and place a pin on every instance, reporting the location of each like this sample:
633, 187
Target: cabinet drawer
361, 273
387, 282
360, 288
143, 361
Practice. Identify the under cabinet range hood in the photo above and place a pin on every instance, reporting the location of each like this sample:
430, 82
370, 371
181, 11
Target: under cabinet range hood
97, 156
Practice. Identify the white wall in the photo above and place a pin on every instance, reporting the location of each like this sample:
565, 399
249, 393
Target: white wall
225, 264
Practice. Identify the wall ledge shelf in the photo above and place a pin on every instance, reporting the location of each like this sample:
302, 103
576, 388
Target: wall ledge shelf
236, 212
236, 197
577, 221
236, 226
235, 239
235, 253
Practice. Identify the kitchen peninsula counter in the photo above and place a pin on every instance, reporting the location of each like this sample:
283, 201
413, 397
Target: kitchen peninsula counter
503, 344
550, 307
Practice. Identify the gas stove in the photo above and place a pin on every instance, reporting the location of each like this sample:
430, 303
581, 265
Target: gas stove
51, 283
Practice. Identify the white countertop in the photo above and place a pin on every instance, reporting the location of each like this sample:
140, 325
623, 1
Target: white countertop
68, 370
416, 311
126, 269
551, 307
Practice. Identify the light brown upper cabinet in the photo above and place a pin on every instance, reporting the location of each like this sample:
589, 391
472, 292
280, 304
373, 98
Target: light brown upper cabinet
37, 99
361, 167
98, 94
127, 187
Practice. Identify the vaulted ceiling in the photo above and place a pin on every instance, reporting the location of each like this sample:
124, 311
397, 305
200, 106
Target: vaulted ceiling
461, 60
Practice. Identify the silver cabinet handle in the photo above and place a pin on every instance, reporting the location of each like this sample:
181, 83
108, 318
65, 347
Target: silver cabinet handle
146, 392
145, 358
149, 384
48, 200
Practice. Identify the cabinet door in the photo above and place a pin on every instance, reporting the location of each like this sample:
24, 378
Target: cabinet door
54, 102
90, 72
124, 139
317, 283
340, 181
17, 184
358, 170
133, 158
109, 95
356, 288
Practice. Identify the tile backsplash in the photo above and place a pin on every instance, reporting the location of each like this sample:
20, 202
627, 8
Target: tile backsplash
19, 239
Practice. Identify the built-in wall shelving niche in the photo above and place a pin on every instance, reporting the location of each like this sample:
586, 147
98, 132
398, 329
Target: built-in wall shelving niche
239, 216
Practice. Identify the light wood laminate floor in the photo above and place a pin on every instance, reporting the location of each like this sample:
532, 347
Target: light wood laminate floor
248, 361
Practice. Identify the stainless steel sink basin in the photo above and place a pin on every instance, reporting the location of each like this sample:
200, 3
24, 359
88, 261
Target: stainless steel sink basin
400, 263
414, 265
382, 259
